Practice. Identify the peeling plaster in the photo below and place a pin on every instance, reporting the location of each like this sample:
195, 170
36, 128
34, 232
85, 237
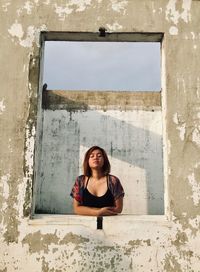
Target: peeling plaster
195, 222
28, 41
114, 27
158, 10
175, 249
196, 136
28, 165
28, 6
119, 6
39, 242
2, 106
5, 6
32, 34
178, 255
174, 15
9, 225
4, 186
62, 12
193, 35
182, 131
173, 30
16, 30
71, 6
195, 189
181, 127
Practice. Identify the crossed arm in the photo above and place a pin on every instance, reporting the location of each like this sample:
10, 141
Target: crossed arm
84, 210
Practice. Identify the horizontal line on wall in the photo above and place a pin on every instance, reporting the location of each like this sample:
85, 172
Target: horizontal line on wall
105, 100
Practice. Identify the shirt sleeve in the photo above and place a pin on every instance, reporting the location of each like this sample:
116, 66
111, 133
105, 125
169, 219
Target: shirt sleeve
116, 187
77, 189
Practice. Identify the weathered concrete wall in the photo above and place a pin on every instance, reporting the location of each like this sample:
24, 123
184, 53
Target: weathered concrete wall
130, 130
127, 243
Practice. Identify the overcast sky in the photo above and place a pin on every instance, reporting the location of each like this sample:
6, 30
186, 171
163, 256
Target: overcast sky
102, 66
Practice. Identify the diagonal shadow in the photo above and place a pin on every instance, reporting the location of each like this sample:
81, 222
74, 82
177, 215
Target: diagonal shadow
65, 131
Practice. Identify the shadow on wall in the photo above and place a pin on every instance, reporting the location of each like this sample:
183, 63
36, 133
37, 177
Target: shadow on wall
132, 140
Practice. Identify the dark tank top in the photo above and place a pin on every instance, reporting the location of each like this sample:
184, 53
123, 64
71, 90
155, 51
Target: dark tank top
90, 200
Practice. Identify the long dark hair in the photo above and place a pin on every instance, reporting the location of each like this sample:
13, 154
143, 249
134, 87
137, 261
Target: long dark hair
86, 168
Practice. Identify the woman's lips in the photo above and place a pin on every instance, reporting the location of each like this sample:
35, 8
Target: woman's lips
97, 162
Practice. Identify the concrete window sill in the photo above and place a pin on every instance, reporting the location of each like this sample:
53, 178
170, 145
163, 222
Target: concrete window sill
91, 221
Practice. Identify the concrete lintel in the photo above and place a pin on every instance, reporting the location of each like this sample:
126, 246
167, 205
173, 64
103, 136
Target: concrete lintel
109, 37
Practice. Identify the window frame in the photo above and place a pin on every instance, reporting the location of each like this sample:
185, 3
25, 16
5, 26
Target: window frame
109, 37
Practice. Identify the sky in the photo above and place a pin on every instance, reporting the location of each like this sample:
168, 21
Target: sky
108, 66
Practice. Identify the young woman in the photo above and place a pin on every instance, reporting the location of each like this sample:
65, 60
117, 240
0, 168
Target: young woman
96, 192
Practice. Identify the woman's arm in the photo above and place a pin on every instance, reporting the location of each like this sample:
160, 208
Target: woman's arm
118, 205
84, 210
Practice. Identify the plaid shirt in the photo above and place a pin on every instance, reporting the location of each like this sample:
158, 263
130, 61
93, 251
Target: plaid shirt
114, 185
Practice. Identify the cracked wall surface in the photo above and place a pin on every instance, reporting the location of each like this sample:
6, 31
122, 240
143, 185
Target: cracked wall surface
147, 243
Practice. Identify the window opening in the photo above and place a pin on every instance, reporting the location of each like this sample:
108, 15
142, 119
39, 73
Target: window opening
126, 121
102, 66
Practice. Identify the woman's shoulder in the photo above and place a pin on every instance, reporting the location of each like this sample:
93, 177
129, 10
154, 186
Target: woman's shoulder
113, 179
116, 186
81, 180
80, 177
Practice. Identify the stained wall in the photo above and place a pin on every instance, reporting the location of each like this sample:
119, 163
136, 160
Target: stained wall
126, 243
127, 125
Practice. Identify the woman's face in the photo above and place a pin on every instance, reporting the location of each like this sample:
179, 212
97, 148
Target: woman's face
96, 160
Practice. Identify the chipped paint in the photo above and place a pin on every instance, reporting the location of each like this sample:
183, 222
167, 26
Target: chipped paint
2, 106
196, 136
114, 27
28, 37
28, 6
119, 6
175, 118
62, 11
4, 186
16, 30
6, 6
67, 242
173, 30
174, 15
193, 35
28, 168
30, 140
71, 6
181, 126
182, 130
195, 186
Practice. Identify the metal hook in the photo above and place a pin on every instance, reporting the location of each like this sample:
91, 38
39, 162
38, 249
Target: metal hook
102, 31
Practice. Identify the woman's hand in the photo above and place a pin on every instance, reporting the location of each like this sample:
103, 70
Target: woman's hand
107, 211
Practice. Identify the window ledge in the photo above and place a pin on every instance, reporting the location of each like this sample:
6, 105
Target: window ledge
162, 220
60, 219
69, 219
